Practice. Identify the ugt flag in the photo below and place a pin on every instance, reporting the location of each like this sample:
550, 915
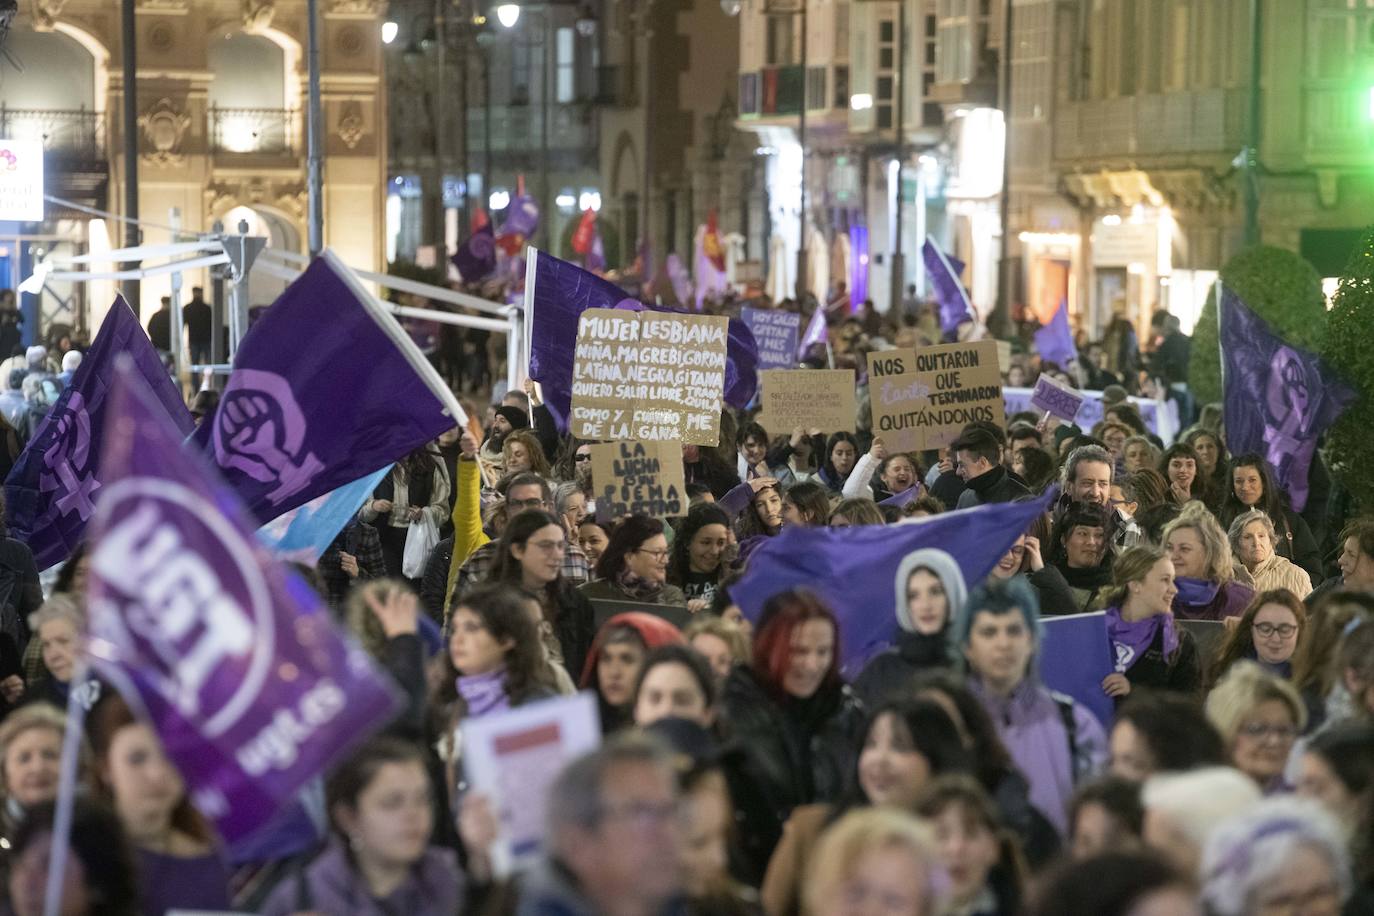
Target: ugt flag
234, 661
1055, 340
1279, 398
50, 493
943, 272
858, 570
326, 388
557, 292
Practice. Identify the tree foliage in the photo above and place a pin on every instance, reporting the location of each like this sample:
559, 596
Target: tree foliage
1349, 349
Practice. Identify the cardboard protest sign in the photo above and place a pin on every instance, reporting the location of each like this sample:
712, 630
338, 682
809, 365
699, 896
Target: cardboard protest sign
775, 332
1054, 397
649, 376
810, 398
513, 758
922, 399
642, 478
1004, 354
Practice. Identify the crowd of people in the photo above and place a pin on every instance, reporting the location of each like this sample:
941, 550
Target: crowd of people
739, 772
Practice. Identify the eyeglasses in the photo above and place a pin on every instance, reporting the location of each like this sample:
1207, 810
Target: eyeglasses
1261, 730
1281, 630
550, 546
659, 555
581, 458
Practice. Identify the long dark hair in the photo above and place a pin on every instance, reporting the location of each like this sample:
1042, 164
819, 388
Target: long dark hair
1183, 450
812, 500
627, 537
1271, 500
992, 761
828, 466
1239, 643
698, 517
419, 462
507, 568
932, 734
352, 777
749, 524
505, 615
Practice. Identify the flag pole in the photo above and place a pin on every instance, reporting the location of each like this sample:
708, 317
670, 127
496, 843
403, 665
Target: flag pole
66, 794
1221, 352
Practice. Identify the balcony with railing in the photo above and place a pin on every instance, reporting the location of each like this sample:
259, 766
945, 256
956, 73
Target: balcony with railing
253, 132
77, 135
518, 129
771, 92
1163, 127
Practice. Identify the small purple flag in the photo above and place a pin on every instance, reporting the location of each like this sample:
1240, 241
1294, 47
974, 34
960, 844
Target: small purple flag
680, 279
943, 272
901, 499
816, 332
326, 388
1055, 341
476, 258
857, 570
52, 489
1279, 398
235, 662
557, 292
522, 221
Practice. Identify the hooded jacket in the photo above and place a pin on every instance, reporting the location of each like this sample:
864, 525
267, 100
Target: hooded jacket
331, 886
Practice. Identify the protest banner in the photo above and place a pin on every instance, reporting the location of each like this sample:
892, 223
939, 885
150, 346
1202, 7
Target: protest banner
640, 478
1076, 657
648, 376
1161, 417
514, 757
776, 333
810, 398
1004, 355
1054, 397
923, 399
234, 661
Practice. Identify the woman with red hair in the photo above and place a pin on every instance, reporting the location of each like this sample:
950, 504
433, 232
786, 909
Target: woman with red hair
615, 659
789, 709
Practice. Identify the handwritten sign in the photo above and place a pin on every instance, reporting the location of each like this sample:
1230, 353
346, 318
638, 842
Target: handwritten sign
810, 398
642, 478
776, 333
923, 399
649, 376
1057, 398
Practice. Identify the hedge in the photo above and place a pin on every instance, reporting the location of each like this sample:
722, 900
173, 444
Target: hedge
1280, 287
1349, 349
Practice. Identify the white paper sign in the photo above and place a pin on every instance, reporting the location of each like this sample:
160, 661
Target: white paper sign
21, 180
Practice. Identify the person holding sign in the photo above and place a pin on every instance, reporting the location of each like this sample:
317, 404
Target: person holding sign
1147, 648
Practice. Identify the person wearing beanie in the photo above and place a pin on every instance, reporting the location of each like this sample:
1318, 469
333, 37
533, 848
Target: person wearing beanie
506, 421
930, 593
71, 361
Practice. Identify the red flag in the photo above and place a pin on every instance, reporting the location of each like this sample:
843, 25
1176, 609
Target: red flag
585, 232
710, 243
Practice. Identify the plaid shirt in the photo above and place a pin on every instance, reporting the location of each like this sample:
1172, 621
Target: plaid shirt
477, 567
362, 541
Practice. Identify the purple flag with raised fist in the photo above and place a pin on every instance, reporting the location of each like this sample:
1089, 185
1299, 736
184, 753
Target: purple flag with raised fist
862, 572
51, 491
943, 272
557, 292
1055, 341
326, 388
476, 258
1279, 398
234, 661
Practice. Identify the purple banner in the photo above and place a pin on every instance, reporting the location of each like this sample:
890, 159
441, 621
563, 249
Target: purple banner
775, 332
1054, 341
1161, 417
817, 332
1056, 398
234, 661
1075, 657
1279, 399
943, 272
52, 490
325, 389
476, 258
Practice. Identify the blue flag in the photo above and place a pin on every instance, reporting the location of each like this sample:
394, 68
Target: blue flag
557, 292
943, 272
52, 489
856, 570
305, 533
326, 388
234, 661
1055, 341
476, 258
1279, 398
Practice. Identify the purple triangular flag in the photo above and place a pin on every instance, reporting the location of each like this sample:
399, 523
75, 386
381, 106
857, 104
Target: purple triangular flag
234, 661
1280, 399
1055, 341
816, 332
51, 491
943, 271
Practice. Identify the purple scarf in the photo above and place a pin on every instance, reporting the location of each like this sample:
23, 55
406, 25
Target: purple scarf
639, 589
484, 693
1131, 639
1196, 592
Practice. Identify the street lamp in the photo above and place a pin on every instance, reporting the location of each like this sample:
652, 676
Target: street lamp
508, 14
389, 30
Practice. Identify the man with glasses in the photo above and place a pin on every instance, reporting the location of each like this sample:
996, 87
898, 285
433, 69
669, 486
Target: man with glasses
523, 491
614, 837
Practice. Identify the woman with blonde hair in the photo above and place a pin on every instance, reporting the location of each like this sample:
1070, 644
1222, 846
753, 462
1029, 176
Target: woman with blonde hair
521, 452
1147, 649
876, 856
722, 643
30, 752
1259, 717
1253, 538
1204, 571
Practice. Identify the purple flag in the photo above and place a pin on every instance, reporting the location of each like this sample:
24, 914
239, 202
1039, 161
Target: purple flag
235, 662
326, 388
1055, 341
857, 570
816, 332
51, 491
679, 278
1279, 399
904, 497
943, 272
596, 255
557, 292
476, 258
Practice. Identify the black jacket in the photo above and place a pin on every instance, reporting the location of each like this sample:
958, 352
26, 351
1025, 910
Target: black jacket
575, 627
1056, 598
996, 486
794, 757
1154, 672
891, 675
434, 582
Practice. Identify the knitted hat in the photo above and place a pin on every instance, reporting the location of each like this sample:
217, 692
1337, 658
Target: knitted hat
516, 417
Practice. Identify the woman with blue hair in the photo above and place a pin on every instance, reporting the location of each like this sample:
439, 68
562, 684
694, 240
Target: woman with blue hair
1055, 742
929, 592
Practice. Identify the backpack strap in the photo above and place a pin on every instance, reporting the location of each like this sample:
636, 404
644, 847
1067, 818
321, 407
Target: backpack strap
1066, 715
